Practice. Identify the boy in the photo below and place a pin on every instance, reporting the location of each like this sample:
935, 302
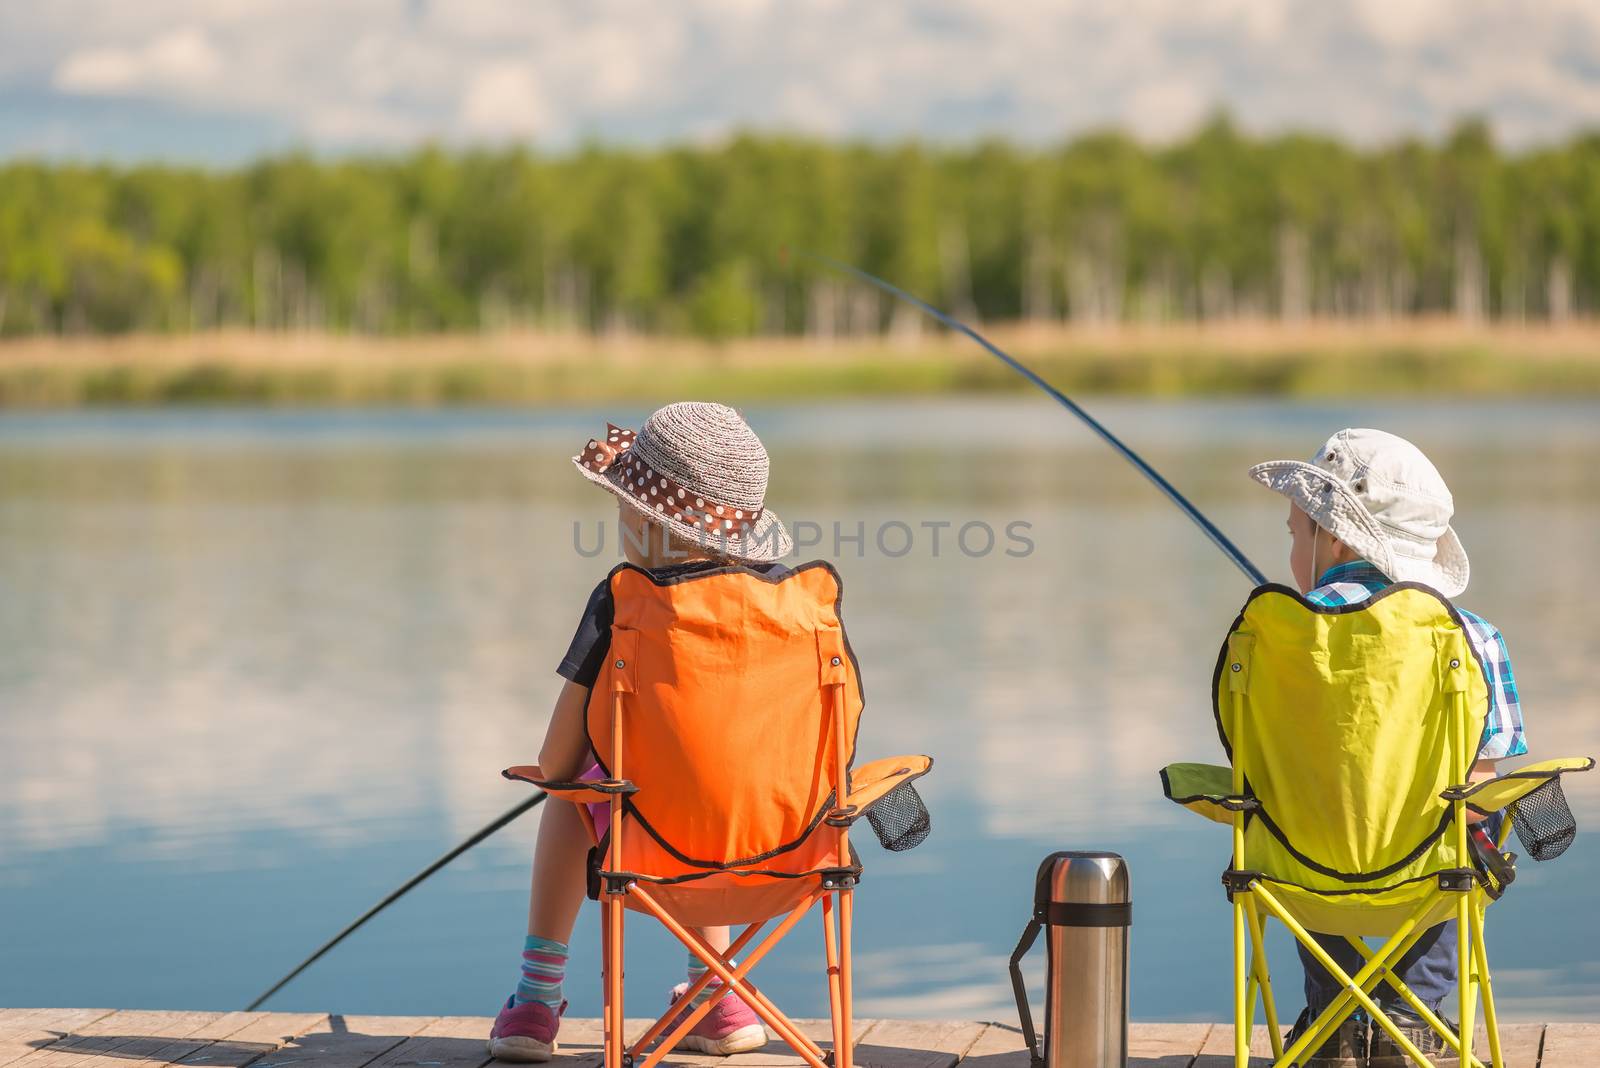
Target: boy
1370, 510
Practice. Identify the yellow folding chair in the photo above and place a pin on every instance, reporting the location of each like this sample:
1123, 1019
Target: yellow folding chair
725, 720
1350, 733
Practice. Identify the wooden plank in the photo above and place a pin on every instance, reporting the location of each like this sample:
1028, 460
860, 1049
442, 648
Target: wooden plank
1218, 1049
1519, 1044
1167, 1045
435, 1051
167, 1037
25, 1031
1178, 1045
1149, 1046
347, 1041
1000, 1046
777, 1054
1571, 1045
447, 1042
132, 1033
917, 1043
126, 1035
143, 1023
580, 1045
15, 1021
581, 1042
276, 1027
477, 1027
239, 1038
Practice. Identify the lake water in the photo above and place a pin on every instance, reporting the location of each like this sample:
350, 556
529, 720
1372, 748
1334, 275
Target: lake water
258, 668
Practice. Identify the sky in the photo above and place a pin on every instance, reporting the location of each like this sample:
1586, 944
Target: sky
220, 81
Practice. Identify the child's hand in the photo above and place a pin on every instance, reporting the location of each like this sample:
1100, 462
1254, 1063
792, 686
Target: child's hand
1482, 771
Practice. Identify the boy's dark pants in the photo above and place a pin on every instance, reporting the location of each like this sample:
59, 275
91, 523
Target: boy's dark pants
1429, 969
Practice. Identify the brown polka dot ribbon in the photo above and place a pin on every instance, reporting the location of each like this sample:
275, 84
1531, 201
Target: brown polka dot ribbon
660, 492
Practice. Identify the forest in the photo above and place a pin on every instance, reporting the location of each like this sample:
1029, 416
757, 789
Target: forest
691, 240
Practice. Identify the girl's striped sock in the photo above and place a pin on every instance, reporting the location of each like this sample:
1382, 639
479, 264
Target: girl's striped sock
544, 965
697, 968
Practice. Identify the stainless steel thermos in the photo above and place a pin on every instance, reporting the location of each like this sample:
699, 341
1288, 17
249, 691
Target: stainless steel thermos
1083, 900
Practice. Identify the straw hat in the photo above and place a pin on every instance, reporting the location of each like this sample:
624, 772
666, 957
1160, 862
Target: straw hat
696, 469
1381, 496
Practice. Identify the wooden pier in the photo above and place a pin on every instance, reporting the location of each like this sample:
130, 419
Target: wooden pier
105, 1038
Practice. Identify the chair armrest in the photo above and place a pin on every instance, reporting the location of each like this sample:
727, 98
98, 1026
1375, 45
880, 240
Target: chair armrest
588, 791
1502, 791
870, 783
525, 773
1206, 789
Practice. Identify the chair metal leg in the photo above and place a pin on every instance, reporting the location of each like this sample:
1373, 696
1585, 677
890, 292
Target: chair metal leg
1427, 1015
608, 1023
830, 945
1355, 987
615, 1039
1243, 1013
734, 978
1480, 953
844, 1057
1321, 1030
1263, 976
1452, 1038
1244, 1009
1466, 988
643, 1041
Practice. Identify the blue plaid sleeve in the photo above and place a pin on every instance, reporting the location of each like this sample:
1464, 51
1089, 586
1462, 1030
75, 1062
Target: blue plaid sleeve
1503, 734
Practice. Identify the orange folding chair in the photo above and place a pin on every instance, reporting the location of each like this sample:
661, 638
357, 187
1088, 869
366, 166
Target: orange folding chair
725, 722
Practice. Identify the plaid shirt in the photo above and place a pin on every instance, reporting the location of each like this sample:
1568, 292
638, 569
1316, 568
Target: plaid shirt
1502, 733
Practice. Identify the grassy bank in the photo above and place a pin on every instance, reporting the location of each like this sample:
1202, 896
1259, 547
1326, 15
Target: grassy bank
1320, 359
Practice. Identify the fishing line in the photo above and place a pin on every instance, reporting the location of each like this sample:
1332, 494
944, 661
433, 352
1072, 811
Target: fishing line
500, 821
1219, 539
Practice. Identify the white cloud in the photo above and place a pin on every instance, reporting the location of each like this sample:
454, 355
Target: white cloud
393, 71
179, 60
504, 100
1402, 22
1167, 109
808, 107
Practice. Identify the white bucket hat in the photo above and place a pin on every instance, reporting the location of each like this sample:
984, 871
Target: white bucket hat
696, 469
1381, 496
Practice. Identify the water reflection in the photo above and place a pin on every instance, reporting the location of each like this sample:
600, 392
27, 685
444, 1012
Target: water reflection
255, 669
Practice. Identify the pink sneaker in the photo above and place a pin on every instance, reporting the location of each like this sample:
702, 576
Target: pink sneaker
525, 1032
730, 1027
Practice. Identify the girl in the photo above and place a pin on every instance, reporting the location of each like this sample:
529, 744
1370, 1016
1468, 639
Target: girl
690, 488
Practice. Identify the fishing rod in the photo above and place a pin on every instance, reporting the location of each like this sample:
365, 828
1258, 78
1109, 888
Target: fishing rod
483, 832
1219, 539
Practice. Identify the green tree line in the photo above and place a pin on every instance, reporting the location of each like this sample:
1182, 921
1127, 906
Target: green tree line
689, 239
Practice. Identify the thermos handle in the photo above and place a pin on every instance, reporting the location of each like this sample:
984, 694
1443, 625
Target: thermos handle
1029, 934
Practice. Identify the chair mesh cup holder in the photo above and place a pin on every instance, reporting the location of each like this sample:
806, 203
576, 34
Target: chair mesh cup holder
1544, 822
900, 819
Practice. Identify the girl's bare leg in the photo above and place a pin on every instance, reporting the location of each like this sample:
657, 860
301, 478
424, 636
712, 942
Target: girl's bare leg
559, 879
560, 882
